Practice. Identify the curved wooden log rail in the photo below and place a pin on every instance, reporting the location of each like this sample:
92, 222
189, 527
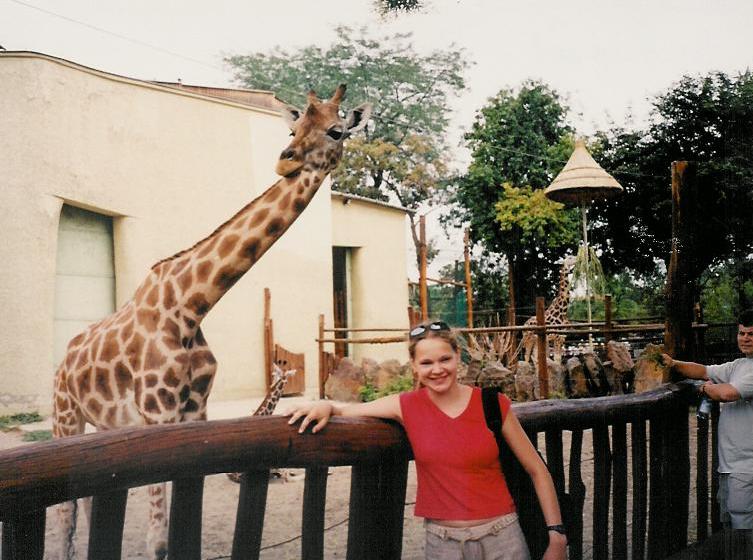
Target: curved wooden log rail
106, 464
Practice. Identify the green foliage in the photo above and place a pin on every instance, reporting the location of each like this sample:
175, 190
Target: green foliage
403, 152
386, 7
707, 119
10, 422
535, 217
402, 156
723, 296
633, 297
38, 435
400, 384
519, 138
588, 270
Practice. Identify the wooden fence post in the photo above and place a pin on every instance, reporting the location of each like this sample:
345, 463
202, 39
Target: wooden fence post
422, 285
541, 349
607, 318
322, 367
680, 286
268, 339
468, 288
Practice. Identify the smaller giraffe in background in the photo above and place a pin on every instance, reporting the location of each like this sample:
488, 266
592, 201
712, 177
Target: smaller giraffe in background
267, 407
555, 315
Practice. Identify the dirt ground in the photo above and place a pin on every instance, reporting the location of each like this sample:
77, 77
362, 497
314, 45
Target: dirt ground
282, 523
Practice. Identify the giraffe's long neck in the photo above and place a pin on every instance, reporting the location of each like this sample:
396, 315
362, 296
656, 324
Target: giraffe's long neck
562, 300
269, 403
201, 275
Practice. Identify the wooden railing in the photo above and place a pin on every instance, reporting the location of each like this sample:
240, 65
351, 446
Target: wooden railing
650, 428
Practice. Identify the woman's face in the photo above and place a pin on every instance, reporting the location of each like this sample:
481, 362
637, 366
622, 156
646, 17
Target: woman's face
436, 364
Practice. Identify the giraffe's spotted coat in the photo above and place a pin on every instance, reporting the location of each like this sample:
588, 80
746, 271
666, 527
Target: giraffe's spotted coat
149, 363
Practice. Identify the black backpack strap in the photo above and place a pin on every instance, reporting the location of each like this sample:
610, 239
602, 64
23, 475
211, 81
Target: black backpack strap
518, 482
492, 413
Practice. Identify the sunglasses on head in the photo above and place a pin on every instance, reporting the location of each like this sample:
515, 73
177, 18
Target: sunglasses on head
423, 329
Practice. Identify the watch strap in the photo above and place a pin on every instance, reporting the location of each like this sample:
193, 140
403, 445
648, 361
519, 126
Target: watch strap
557, 528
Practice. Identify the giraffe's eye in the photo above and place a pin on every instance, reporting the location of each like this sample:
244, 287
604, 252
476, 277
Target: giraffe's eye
335, 133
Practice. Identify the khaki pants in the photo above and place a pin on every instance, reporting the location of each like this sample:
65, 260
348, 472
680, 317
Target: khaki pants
500, 539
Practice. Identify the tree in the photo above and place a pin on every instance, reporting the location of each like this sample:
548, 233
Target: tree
519, 138
386, 7
403, 156
708, 119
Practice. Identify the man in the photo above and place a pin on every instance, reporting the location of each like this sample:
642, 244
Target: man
732, 384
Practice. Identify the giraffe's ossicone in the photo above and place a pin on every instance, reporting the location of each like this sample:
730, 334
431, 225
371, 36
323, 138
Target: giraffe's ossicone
149, 362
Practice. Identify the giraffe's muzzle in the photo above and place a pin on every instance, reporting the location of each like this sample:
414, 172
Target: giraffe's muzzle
288, 163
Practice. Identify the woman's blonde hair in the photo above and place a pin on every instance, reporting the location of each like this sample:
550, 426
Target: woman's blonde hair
431, 329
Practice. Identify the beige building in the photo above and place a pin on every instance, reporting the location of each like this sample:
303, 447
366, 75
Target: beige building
103, 175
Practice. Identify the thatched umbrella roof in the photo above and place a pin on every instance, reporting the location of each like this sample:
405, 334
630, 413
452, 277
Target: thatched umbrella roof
582, 180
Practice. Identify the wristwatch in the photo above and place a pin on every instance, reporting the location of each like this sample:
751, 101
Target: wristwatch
557, 528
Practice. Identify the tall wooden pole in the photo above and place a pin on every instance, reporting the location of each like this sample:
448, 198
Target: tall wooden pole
680, 286
607, 318
322, 367
541, 349
422, 287
268, 339
468, 287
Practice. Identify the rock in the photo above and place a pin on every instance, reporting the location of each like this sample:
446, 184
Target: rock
576, 375
345, 382
599, 384
650, 372
526, 382
494, 374
620, 382
386, 373
463, 375
370, 369
556, 379
619, 354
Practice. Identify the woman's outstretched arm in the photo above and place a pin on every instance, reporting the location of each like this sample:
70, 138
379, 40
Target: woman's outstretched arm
320, 412
524, 451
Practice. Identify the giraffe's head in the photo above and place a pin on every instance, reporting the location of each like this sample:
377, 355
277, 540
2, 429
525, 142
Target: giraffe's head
318, 134
569, 263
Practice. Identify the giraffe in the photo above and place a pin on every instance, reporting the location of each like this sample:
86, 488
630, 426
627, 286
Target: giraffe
267, 406
149, 362
555, 314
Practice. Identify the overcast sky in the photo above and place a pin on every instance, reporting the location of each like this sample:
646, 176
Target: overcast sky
605, 56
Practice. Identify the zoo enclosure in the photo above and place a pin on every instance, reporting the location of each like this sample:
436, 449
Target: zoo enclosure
641, 455
600, 332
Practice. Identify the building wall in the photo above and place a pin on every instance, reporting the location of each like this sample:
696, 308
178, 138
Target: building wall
379, 284
169, 167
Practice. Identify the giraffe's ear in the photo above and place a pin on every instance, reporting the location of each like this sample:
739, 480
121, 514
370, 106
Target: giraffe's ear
358, 117
291, 114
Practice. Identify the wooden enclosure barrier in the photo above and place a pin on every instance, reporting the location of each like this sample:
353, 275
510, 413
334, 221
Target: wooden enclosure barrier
641, 450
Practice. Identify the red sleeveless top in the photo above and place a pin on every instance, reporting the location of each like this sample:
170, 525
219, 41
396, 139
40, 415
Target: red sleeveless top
457, 459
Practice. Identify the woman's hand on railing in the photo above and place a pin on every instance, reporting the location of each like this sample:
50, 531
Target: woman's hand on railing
314, 411
667, 361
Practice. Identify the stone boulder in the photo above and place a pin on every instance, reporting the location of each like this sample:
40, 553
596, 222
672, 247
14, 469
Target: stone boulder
577, 378
619, 354
556, 379
370, 369
650, 371
469, 374
386, 373
344, 383
526, 382
494, 374
619, 367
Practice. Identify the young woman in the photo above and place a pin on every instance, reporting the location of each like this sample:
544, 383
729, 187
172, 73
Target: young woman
468, 510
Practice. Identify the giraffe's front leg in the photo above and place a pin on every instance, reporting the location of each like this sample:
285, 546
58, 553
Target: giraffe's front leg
67, 420
156, 536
